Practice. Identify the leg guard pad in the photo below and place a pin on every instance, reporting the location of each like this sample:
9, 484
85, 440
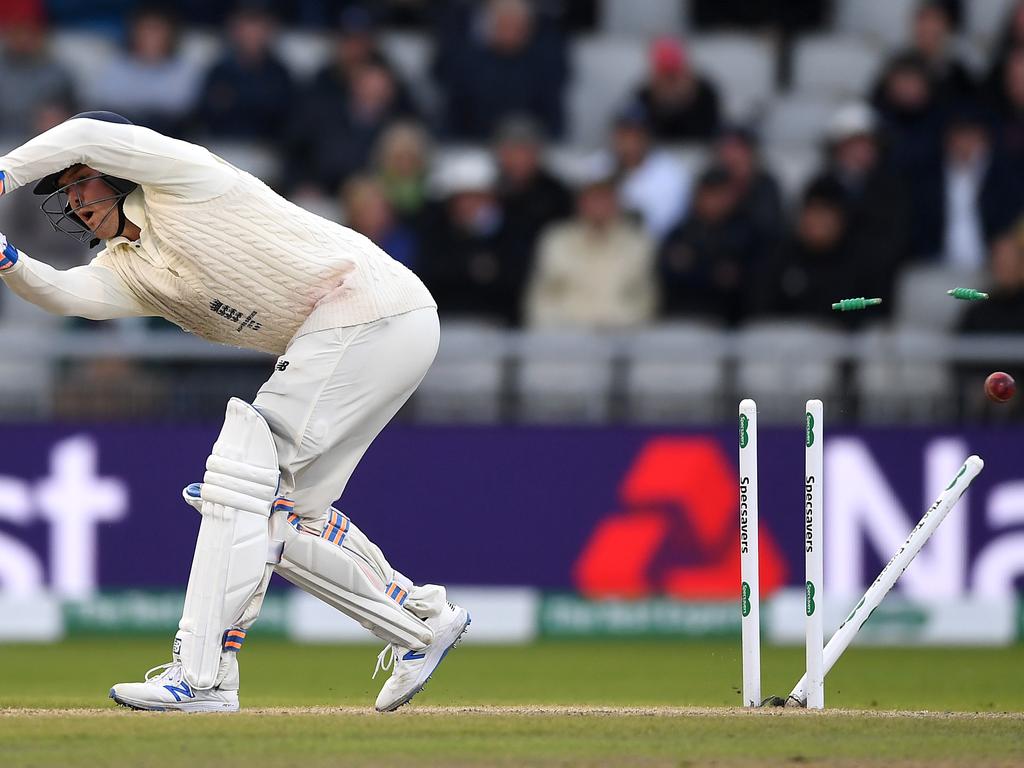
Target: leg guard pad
231, 550
347, 582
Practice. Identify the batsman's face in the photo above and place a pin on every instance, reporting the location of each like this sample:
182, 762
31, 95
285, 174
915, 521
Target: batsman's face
92, 200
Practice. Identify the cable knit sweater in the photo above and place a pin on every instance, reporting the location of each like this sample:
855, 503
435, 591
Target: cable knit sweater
220, 254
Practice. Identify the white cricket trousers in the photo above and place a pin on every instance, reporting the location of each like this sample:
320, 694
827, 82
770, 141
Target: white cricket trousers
331, 394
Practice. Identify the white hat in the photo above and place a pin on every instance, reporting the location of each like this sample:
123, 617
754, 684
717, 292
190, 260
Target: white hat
465, 171
853, 119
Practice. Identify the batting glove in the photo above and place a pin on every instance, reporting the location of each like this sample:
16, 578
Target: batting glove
8, 254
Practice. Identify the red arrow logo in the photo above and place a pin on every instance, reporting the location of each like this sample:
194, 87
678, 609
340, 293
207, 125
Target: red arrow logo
679, 535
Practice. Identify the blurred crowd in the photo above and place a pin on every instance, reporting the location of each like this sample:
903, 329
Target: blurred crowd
925, 166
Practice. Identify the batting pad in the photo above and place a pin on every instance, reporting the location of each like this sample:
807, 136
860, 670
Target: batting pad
348, 583
231, 551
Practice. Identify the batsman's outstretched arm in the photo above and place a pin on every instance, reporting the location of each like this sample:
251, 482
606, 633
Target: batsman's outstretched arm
122, 150
91, 291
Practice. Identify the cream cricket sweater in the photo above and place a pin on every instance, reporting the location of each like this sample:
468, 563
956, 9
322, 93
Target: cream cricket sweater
220, 254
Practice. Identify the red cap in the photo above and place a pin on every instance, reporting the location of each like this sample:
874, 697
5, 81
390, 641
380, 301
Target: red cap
15, 12
668, 56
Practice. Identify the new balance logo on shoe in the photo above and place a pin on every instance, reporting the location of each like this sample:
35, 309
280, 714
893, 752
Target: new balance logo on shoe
181, 688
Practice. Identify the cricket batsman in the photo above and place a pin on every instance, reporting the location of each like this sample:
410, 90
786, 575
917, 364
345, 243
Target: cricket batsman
190, 238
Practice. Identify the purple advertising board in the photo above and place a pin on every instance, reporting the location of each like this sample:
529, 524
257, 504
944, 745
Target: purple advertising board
605, 511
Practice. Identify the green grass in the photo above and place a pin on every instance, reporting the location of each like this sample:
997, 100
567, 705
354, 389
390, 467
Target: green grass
77, 675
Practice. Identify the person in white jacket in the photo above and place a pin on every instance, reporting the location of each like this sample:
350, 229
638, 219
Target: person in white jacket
190, 238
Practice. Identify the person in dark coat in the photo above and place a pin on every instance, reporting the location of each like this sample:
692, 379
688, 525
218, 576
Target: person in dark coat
760, 198
706, 260
681, 104
877, 200
815, 264
968, 198
531, 196
247, 91
504, 60
468, 260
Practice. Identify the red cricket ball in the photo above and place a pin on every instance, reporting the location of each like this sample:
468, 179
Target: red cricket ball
1000, 386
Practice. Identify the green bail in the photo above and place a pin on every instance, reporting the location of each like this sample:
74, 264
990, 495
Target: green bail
967, 294
847, 305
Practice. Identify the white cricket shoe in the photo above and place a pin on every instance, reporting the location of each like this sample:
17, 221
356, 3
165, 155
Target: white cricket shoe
165, 689
410, 670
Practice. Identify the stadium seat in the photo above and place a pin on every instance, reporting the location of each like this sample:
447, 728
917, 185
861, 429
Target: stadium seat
83, 54
304, 53
675, 373
564, 376
257, 159
921, 300
466, 381
782, 364
742, 66
201, 49
903, 375
793, 167
985, 19
644, 18
834, 65
412, 54
797, 120
605, 71
887, 22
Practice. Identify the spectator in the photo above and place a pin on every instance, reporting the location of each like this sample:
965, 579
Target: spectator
1010, 106
681, 105
910, 114
706, 261
597, 270
1012, 38
356, 45
1003, 313
248, 90
531, 197
814, 265
400, 162
934, 42
505, 62
29, 77
151, 83
1004, 310
334, 137
969, 198
368, 212
652, 184
878, 204
468, 261
757, 191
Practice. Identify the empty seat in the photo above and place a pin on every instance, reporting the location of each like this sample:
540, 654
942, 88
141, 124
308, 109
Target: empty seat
832, 65
304, 53
782, 364
887, 22
465, 382
675, 373
644, 18
411, 55
564, 376
985, 19
201, 49
605, 72
83, 54
904, 375
742, 66
793, 167
921, 300
255, 158
797, 120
